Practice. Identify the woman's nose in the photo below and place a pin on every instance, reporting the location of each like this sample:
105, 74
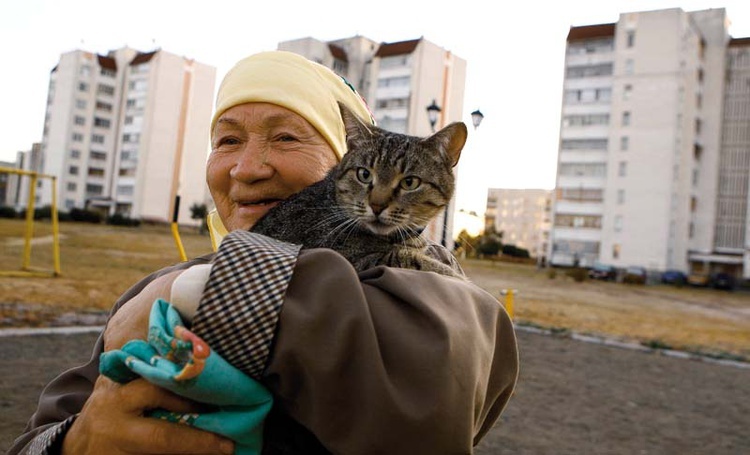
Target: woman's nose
252, 163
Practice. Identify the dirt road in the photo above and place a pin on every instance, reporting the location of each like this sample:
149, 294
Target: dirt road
572, 398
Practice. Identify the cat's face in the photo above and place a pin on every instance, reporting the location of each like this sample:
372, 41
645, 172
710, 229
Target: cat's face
391, 183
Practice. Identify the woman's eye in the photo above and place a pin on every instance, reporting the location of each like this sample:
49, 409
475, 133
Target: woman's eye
410, 183
228, 141
364, 175
287, 138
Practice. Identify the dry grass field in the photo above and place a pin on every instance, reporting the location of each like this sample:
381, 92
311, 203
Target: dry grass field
99, 262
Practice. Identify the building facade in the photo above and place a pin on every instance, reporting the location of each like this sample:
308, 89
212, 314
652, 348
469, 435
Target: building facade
646, 146
522, 216
127, 132
398, 80
17, 186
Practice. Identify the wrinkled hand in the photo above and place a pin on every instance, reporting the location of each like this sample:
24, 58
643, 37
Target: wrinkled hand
113, 422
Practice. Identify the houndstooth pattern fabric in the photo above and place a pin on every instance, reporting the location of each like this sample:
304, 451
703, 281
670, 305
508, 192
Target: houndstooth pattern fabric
49, 442
241, 302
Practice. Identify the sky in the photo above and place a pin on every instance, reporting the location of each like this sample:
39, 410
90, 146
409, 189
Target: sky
514, 53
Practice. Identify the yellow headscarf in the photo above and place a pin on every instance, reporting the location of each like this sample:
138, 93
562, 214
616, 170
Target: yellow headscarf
291, 81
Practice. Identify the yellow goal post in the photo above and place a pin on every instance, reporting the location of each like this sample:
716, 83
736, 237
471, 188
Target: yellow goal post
26, 269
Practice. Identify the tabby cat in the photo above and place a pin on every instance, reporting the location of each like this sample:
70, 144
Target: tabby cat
373, 205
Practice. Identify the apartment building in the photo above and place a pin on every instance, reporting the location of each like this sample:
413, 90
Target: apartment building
17, 190
642, 142
523, 217
399, 81
128, 131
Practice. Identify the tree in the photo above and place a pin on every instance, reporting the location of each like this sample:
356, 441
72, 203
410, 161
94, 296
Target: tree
200, 212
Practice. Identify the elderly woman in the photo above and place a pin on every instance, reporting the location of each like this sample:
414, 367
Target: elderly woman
384, 361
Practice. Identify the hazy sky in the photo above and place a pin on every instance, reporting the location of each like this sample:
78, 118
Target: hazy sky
514, 53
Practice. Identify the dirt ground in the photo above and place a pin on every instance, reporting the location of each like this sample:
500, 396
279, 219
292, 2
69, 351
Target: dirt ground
572, 398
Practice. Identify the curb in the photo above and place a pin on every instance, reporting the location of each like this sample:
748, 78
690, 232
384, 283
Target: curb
633, 346
50, 331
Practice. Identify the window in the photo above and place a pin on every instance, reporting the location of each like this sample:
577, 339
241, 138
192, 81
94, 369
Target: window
96, 155
603, 94
128, 119
129, 155
105, 90
695, 177
583, 169
75, 153
627, 91
93, 189
700, 75
581, 71
586, 120
624, 143
626, 118
106, 72
616, 251
78, 120
699, 100
141, 68
127, 172
622, 170
137, 85
124, 190
629, 66
73, 170
698, 126
693, 203
583, 144
96, 172
84, 71
77, 137
578, 221
631, 38
618, 223
401, 81
131, 137
691, 230
620, 197
83, 87
71, 186
97, 139
102, 106
69, 203
580, 194
101, 122
81, 104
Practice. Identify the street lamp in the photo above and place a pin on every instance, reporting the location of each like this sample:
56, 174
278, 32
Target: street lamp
476, 118
432, 113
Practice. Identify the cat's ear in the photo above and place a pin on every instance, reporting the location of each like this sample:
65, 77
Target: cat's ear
451, 139
355, 128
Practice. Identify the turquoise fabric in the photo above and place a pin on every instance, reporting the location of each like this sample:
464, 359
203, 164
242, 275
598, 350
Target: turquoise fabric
179, 361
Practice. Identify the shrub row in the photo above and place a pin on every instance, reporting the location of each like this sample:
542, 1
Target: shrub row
75, 214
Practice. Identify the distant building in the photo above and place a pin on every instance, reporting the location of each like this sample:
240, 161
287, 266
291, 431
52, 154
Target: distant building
17, 187
128, 131
654, 153
522, 216
398, 80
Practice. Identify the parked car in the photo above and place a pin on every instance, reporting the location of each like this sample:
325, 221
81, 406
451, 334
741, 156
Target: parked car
722, 281
635, 275
674, 277
698, 279
603, 272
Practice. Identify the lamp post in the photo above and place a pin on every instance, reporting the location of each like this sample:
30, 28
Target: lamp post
432, 115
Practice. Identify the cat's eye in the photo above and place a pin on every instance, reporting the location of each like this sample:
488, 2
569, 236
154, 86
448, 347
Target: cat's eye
410, 183
364, 175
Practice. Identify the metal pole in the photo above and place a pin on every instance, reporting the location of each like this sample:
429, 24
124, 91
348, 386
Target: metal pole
29, 225
55, 230
175, 231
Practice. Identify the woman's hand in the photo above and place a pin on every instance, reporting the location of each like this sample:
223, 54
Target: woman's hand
112, 421
131, 321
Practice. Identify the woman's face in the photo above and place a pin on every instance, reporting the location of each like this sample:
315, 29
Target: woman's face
260, 155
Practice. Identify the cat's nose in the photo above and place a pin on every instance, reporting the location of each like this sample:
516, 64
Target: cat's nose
377, 208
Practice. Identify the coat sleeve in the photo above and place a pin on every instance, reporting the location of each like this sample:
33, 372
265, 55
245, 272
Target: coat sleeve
64, 397
385, 361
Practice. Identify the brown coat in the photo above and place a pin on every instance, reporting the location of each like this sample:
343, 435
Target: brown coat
385, 361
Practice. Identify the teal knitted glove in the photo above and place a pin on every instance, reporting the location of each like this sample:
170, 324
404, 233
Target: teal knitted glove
176, 359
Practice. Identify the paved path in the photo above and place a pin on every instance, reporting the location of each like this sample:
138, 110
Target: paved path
572, 398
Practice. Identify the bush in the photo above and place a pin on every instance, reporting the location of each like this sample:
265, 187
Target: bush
85, 216
7, 212
40, 213
512, 250
120, 220
551, 273
579, 274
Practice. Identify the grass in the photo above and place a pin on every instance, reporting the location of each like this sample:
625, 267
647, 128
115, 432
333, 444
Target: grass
100, 262
705, 321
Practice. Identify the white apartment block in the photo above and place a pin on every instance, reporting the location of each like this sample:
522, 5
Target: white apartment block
523, 217
398, 80
640, 161
17, 189
127, 132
